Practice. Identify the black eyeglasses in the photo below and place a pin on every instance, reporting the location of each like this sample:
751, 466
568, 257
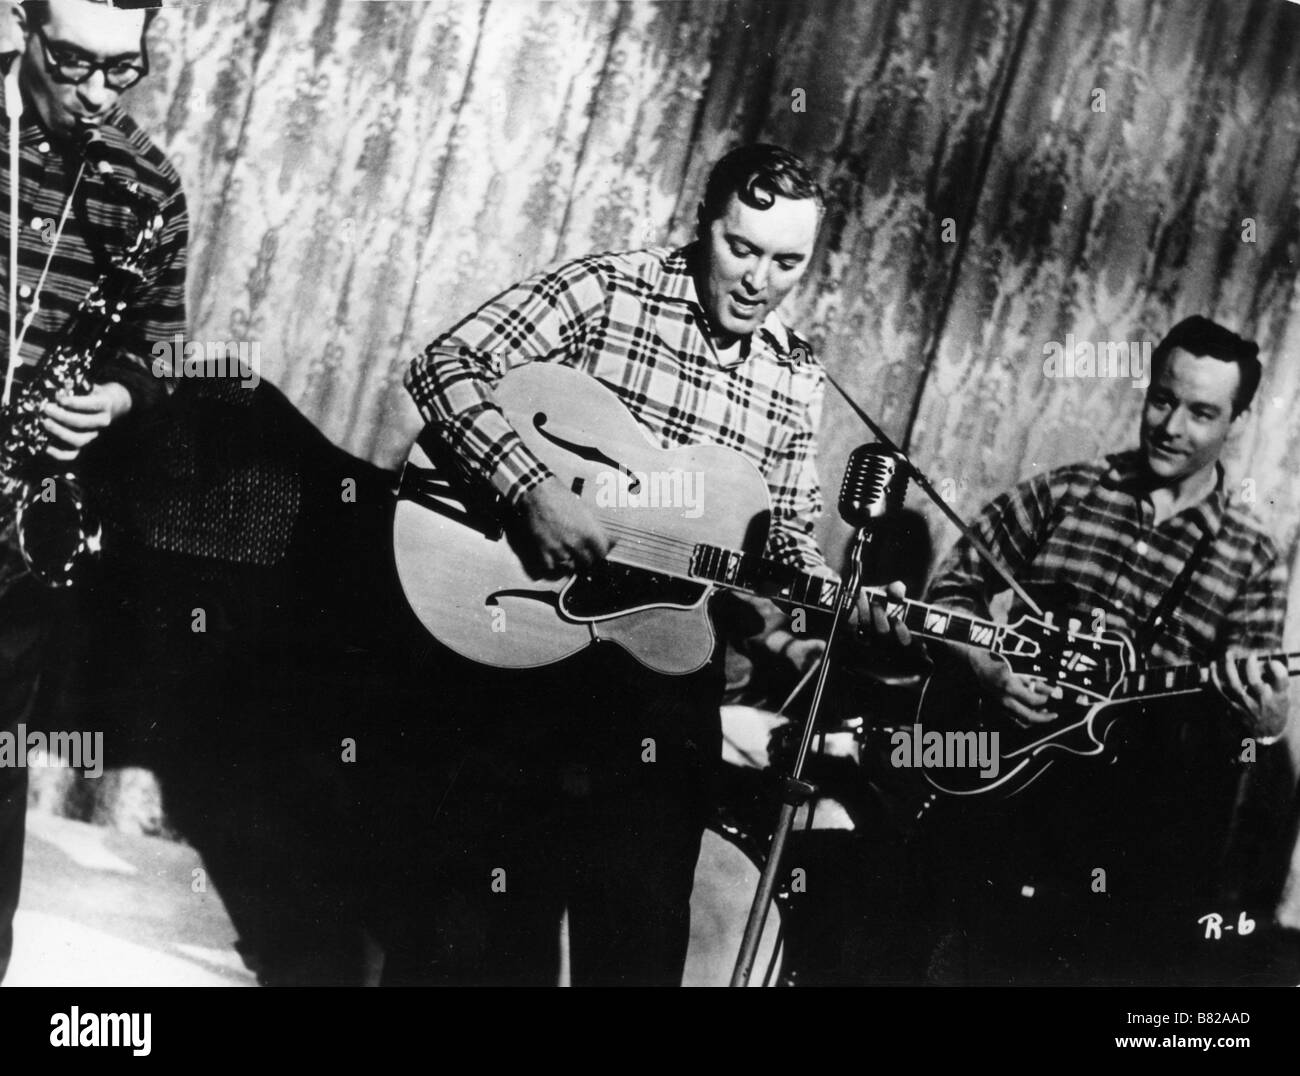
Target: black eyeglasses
73, 67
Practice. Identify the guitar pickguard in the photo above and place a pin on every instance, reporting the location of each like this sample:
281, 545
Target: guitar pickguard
1088, 668
612, 589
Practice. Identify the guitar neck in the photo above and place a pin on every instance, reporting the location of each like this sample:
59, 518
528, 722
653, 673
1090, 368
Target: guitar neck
770, 579
1181, 679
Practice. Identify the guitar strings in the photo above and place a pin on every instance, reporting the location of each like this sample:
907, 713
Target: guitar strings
673, 548
663, 539
652, 541
678, 553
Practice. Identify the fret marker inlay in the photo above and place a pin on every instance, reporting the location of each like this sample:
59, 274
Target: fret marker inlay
935, 621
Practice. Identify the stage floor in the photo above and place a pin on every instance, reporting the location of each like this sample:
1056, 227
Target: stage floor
103, 908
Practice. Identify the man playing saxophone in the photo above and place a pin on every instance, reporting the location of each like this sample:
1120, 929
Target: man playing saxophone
73, 160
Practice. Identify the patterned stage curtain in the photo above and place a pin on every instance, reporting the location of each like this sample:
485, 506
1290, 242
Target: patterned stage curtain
362, 174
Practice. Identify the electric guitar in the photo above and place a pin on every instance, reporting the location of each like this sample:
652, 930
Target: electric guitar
1087, 711
686, 522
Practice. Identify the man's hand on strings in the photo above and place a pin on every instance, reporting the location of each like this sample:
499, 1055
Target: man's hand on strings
1259, 697
1024, 702
890, 651
565, 536
74, 421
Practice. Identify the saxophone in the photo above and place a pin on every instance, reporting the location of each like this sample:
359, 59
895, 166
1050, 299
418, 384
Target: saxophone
40, 498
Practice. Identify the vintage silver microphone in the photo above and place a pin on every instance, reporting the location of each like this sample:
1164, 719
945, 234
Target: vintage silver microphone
875, 484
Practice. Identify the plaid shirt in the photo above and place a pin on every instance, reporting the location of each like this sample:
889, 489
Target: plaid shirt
1103, 544
634, 322
99, 225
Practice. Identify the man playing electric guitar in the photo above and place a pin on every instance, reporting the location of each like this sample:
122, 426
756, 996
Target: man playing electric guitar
595, 792
1100, 871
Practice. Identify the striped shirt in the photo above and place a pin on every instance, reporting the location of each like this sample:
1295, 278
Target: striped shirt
1104, 547
100, 224
634, 322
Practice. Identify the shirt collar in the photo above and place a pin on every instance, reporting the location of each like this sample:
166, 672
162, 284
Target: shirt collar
678, 285
773, 327
1126, 473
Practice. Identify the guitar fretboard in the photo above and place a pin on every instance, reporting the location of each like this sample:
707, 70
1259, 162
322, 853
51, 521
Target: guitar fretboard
1178, 679
730, 568
756, 575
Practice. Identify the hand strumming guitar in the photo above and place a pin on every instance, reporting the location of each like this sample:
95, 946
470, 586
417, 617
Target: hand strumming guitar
565, 536
1023, 701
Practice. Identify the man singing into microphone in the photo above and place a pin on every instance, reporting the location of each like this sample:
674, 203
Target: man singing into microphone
77, 58
583, 815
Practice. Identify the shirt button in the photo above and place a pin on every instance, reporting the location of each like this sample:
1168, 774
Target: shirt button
24, 291
1141, 549
44, 147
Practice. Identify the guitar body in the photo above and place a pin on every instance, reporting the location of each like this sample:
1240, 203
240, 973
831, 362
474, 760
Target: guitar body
1093, 667
473, 589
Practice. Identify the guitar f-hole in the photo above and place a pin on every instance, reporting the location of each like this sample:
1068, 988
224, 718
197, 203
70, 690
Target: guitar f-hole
586, 452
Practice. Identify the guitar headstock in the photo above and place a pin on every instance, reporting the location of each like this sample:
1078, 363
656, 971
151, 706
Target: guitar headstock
1093, 664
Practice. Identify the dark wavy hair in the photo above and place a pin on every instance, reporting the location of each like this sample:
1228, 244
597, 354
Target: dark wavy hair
1202, 337
38, 11
756, 174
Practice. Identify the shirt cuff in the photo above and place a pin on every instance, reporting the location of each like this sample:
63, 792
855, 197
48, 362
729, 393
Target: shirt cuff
518, 473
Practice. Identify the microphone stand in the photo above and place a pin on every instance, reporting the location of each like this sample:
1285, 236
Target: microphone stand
795, 791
